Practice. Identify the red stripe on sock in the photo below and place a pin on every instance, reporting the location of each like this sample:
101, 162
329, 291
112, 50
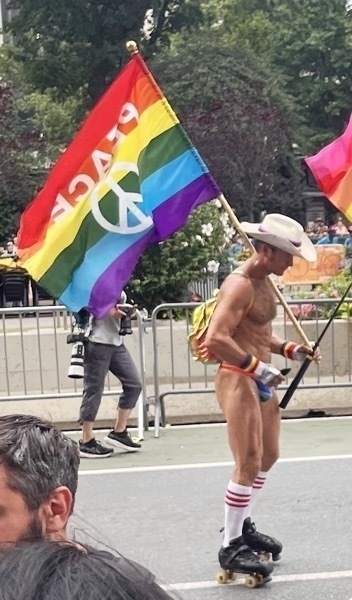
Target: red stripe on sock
258, 482
237, 495
239, 500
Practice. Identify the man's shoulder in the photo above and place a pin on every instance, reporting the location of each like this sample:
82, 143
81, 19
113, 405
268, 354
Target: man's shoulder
238, 279
237, 289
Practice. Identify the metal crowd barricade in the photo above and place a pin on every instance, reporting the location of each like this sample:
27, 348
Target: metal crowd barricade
204, 384
34, 357
167, 310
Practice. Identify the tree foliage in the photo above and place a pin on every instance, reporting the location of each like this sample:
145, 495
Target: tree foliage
74, 44
309, 42
19, 154
313, 46
238, 120
165, 270
56, 120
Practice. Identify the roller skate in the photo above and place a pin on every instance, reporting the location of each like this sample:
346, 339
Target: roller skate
264, 545
237, 558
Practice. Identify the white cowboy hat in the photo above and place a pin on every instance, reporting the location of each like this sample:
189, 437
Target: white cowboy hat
284, 233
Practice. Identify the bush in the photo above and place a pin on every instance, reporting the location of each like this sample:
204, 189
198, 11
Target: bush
165, 271
333, 288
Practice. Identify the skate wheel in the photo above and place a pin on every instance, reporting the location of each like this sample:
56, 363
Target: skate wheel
252, 581
276, 557
223, 576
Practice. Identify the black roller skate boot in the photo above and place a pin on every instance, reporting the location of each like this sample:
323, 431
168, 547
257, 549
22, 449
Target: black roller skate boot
259, 542
238, 558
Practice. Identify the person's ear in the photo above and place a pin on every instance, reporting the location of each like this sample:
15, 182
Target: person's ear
56, 511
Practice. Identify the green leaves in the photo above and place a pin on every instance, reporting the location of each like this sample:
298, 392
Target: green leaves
19, 152
184, 258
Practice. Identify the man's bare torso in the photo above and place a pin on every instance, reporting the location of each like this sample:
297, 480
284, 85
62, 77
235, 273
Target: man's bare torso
253, 333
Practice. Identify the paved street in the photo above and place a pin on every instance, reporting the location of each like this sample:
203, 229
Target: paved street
164, 508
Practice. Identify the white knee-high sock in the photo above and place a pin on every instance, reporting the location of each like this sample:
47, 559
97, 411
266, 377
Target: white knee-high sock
258, 484
237, 500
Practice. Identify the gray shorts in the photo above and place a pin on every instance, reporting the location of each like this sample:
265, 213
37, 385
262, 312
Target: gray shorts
98, 360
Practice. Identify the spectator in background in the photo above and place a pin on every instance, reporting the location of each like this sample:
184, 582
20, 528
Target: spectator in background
310, 229
2, 250
340, 228
10, 249
320, 228
330, 237
236, 247
195, 297
105, 351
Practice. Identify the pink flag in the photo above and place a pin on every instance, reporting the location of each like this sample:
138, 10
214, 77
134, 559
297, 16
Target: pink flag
332, 170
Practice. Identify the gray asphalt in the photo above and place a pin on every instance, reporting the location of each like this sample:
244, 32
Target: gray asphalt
169, 518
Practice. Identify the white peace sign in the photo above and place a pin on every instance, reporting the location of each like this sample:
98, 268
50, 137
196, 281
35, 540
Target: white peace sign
126, 202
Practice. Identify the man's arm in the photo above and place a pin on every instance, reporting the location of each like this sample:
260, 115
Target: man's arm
233, 302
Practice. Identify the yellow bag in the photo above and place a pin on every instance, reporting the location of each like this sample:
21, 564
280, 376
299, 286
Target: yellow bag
200, 323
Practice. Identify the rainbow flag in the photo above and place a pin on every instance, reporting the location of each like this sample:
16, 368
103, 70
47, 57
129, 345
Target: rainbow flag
332, 170
130, 178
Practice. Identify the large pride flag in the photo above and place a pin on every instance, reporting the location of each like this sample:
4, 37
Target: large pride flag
332, 170
129, 179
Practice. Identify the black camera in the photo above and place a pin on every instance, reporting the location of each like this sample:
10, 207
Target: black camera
125, 322
73, 338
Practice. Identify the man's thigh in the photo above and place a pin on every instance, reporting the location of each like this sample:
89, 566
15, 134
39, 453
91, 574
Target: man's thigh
271, 420
238, 398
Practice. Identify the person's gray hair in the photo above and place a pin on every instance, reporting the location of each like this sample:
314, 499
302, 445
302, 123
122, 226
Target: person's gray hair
37, 458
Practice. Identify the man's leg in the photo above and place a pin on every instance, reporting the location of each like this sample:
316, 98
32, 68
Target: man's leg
123, 367
271, 419
238, 399
96, 364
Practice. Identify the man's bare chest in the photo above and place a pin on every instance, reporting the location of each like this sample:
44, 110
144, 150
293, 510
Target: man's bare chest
263, 309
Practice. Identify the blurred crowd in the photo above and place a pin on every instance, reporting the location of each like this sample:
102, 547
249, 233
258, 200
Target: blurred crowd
335, 232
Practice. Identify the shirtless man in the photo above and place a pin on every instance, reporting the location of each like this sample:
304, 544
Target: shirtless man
240, 337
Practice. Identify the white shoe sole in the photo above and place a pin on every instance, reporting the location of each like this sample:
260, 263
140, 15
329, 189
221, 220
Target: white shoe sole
119, 445
95, 455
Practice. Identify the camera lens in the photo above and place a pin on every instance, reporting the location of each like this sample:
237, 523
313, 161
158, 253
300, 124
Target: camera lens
76, 370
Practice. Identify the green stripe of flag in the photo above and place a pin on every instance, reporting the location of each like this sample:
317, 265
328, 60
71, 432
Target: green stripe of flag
161, 150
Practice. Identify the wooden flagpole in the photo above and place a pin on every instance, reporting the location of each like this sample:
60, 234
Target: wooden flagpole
277, 292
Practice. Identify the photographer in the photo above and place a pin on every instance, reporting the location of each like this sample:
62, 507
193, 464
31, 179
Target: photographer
105, 351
